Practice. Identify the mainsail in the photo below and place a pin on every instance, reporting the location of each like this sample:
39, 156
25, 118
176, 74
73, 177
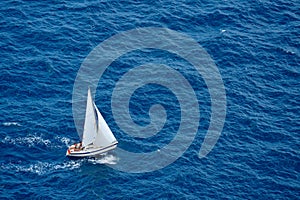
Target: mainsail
96, 131
90, 125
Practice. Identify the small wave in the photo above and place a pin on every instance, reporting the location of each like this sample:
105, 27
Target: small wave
104, 159
11, 124
29, 140
63, 140
41, 168
68, 165
33, 140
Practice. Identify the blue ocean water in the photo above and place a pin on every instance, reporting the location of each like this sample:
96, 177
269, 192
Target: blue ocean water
255, 45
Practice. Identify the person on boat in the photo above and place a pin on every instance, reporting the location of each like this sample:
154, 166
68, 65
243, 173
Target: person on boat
78, 146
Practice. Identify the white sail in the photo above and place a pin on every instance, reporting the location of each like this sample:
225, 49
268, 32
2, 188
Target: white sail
104, 135
90, 125
97, 137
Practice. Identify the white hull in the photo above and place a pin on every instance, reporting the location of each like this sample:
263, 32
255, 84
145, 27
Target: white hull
89, 151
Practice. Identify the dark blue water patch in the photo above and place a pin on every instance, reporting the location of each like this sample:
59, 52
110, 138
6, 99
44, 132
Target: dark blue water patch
140, 57
154, 94
140, 104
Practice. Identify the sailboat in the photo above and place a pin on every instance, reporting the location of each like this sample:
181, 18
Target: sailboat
97, 137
